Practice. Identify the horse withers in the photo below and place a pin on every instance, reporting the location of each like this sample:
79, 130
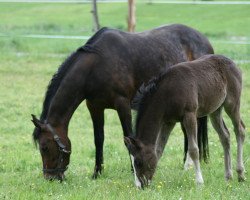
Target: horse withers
185, 92
106, 72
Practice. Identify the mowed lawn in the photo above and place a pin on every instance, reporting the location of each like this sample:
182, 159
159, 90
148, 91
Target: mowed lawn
26, 67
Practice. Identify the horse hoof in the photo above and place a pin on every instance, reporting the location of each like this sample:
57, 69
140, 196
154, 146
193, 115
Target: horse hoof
95, 176
229, 177
200, 182
97, 172
199, 185
241, 178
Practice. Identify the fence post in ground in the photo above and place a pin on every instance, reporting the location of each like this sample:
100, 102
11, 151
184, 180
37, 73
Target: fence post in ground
96, 25
131, 15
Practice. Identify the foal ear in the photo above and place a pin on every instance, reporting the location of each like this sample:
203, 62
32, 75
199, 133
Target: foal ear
131, 144
36, 121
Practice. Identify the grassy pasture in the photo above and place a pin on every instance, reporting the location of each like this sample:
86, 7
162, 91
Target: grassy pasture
26, 66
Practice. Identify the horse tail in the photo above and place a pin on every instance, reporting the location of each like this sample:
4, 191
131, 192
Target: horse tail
185, 143
202, 139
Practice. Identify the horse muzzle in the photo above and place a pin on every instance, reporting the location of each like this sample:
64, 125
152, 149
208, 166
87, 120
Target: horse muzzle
51, 177
144, 182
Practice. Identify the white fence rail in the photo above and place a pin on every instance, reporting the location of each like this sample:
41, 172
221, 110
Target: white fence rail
125, 1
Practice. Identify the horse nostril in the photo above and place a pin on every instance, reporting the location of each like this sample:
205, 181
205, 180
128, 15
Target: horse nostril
60, 177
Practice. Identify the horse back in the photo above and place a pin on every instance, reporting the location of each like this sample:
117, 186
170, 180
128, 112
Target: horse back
147, 54
200, 86
123, 61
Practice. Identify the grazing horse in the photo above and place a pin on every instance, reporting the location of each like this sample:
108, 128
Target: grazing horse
106, 72
185, 92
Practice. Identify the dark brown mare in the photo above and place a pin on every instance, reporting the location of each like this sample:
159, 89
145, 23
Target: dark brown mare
107, 71
186, 91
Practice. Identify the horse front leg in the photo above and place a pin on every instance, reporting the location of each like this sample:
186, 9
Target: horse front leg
188, 162
122, 105
97, 115
190, 125
163, 138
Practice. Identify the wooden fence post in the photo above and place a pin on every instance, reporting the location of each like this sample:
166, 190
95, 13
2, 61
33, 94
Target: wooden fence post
96, 25
131, 15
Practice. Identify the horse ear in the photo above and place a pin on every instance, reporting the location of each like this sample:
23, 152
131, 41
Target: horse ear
131, 144
127, 141
36, 122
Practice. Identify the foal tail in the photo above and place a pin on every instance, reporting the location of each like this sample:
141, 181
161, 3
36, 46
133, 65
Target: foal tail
202, 138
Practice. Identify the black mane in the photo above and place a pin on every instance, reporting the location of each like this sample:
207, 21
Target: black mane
60, 74
88, 47
139, 102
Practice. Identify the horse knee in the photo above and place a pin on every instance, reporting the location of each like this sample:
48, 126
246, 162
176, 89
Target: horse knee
194, 153
242, 136
226, 141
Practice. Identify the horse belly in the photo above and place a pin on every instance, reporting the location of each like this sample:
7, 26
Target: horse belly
211, 100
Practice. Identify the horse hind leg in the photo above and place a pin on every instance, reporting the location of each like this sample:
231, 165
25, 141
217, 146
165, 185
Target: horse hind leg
221, 129
202, 139
97, 115
190, 124
188, 162
239, 128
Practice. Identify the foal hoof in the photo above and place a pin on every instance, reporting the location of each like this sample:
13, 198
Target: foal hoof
229, 177
241, 178
97, 172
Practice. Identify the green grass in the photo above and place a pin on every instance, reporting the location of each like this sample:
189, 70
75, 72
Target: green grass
26, 66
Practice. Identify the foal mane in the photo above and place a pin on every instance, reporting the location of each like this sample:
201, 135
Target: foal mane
60, 74
140, 102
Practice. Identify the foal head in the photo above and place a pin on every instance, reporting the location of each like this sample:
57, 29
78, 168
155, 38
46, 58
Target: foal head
144, 161
55, 150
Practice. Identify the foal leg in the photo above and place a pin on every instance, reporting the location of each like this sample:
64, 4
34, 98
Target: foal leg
188, 162
97, 115
190, 125
221, 129
163, 138
239, 127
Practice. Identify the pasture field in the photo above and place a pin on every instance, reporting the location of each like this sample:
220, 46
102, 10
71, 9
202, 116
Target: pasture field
26, 67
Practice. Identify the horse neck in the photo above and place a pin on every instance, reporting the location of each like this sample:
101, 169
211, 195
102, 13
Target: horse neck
149, 126
69, 94
62, 109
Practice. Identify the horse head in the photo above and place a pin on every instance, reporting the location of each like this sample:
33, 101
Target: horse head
55, 148
144, 161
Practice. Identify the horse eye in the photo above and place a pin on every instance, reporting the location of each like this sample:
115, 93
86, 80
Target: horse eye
138, 163
44, 149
